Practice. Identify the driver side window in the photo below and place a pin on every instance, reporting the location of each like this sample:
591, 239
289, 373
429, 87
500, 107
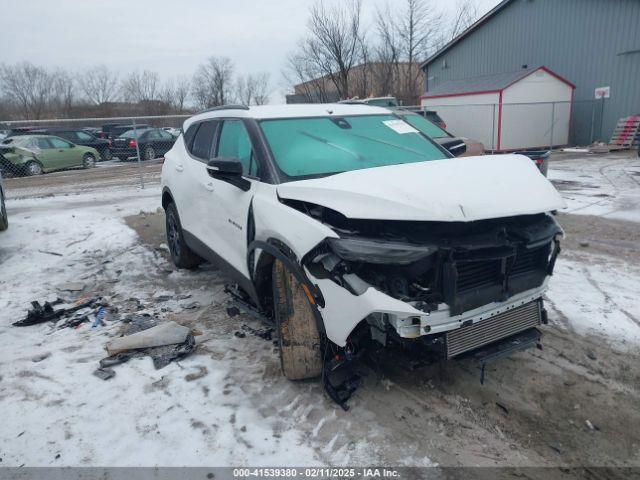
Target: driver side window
235, 143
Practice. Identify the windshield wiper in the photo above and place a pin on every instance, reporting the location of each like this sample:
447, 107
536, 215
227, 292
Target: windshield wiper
400, 147
357, 156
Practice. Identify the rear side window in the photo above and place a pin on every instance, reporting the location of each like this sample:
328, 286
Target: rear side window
203, 140
235, 143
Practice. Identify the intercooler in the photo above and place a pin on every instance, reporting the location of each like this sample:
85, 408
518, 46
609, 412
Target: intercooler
494, 328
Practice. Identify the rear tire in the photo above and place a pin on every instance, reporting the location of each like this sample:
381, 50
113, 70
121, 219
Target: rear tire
181, 255
298, 334
149, 153
4, 219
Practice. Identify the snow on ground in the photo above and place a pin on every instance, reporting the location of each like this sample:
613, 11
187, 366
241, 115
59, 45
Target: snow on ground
55, 411
598, 297
602, 185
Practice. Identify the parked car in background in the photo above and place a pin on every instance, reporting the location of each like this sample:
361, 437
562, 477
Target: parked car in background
114, 130
80, 137
17, 131
539, 157
37, 154
173, 131
457, 146
432, 116
4, 219
150, 142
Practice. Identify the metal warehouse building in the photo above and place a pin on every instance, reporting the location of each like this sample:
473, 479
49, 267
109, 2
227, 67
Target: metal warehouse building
590, 43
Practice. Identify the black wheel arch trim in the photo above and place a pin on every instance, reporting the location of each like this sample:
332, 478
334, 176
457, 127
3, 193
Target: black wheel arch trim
282, 252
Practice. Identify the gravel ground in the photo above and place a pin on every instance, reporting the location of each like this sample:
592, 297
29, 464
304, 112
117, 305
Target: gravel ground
573, 403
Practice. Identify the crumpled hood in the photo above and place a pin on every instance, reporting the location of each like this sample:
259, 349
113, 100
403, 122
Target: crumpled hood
455, 189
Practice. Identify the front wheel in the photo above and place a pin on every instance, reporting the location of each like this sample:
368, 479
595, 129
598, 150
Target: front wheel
181, 254
33, 168
298, 333
107, 155
88, 160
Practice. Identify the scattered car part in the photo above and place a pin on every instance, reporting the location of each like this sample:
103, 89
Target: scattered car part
168, 333
46, 313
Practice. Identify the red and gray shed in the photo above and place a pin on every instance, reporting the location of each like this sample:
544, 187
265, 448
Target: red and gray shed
526, 109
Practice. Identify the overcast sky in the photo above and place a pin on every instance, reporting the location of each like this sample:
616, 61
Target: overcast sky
169, 37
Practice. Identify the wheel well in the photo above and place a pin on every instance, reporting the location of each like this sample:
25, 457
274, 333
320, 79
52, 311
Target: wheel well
166, 199
263, 281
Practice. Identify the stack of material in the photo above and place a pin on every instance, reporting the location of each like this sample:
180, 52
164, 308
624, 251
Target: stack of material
625, 136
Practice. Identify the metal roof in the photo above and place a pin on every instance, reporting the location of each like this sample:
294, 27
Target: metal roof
469, 30
486, 83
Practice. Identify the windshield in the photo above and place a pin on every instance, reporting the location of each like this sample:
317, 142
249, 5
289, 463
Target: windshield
425, 125
308, 147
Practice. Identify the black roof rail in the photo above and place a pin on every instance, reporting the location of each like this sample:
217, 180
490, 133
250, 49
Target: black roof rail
224, 107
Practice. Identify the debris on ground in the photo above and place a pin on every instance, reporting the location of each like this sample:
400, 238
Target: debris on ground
168, 333
590, 425
71, 287
264, 333
163, 343
82, 310
202, 372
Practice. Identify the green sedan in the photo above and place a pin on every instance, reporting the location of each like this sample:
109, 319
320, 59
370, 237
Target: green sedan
36, 154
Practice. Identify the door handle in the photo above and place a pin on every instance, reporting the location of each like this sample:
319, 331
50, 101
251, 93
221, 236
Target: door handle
209, 186
179, 167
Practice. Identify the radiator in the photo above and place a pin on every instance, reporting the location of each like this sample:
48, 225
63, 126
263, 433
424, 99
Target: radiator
493, 328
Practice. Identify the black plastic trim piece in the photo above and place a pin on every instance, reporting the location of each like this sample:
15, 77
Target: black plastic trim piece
233, 273
292, 265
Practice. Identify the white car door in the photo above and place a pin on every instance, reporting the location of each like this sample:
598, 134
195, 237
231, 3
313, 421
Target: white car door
223, 208
192, 173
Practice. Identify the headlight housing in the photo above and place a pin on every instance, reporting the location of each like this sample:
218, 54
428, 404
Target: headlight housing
380, 252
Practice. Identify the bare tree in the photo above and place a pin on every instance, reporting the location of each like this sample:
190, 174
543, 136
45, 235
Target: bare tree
176, 92
99, 85
63, 93
212, 84
253, 89
307, 79
29, 86
333, 41
141, 87
466, 14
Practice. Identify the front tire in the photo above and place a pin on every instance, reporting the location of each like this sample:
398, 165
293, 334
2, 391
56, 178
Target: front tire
33, 168
181, 255
298, 333
88, 160
107, 155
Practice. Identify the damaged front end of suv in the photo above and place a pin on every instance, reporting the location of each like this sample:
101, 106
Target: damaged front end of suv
454, 286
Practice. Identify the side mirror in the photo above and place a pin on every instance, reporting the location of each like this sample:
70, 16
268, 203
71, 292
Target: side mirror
228, 170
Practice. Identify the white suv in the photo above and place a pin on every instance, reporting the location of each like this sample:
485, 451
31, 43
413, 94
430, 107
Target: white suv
348, 226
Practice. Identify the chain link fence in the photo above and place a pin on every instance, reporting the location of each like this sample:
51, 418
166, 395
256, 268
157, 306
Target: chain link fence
43, 150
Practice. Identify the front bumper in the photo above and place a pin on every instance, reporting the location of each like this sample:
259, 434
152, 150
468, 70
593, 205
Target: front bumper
343, 311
